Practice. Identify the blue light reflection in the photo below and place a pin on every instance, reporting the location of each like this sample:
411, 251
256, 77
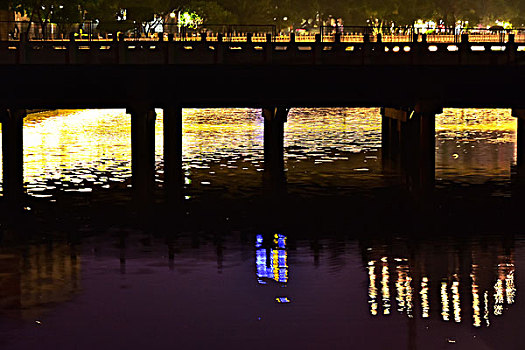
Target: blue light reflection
271, 262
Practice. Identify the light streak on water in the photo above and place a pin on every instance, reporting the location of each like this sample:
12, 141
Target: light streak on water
408, 288
510, 287
445, 309
372, 289
456, 300
498, 298
486, 308
425, 304
385, 288
400, 287
476, 309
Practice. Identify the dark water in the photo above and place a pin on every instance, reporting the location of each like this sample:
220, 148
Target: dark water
350, 260
246, 290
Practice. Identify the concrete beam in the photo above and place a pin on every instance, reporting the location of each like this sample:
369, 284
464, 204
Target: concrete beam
394, 113
428, 107
518, 113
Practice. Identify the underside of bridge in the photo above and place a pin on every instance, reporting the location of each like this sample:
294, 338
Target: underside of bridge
408, 148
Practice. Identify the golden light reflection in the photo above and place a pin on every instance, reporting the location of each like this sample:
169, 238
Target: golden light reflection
490, 287
479, 119
498, 298
425, 304
476, 310
79, 149
403, 287
210, 132
400, 287
510, 287
486, 308
444, 302
475, 144
385, 288
372, 289
73, 147
408, 289
456, 300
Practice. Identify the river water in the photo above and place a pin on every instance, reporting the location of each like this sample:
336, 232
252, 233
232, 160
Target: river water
345, 278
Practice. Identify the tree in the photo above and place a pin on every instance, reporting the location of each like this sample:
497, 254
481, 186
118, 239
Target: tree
46, 11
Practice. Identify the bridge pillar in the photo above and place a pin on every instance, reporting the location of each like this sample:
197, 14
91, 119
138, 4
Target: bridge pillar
173, 172
13, 154
392, 128
426, 145
408, 144
142, 151
518, 172
274, 119
519, 114
268, 49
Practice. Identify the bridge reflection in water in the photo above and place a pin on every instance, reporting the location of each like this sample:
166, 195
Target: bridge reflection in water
428, 282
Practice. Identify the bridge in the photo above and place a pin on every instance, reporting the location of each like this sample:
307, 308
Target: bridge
250, 48
412, 77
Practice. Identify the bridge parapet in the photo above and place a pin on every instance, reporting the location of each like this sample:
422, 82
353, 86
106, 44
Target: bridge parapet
261, 52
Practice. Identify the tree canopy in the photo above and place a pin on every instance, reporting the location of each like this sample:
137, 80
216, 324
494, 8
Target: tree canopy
282, 13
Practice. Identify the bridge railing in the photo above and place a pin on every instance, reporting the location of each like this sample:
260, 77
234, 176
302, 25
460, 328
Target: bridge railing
89, 31
286, 52
414, 33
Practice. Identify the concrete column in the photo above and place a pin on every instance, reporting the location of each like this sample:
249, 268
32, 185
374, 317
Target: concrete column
387, 130
426, 150
268, 49
72, 49
393, 130
274, 119
173, 172
409, 144
519, 114
425, 112
142, 151
13, 153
